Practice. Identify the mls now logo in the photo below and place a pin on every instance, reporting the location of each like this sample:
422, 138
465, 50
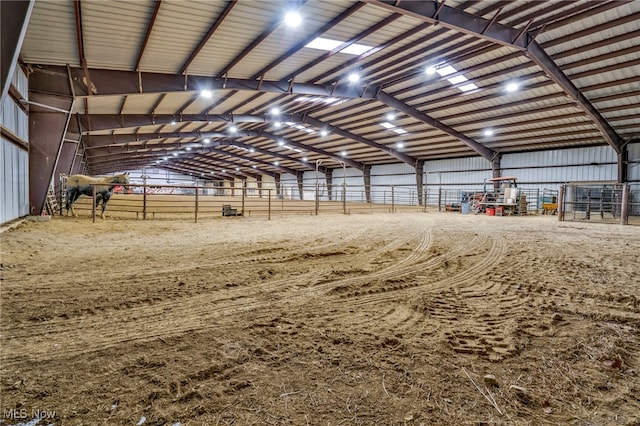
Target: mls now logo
23, 413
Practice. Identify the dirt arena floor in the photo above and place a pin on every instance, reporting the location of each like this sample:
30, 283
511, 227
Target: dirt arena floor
363, 319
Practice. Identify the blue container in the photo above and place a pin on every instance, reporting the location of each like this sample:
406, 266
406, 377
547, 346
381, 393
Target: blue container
465, 208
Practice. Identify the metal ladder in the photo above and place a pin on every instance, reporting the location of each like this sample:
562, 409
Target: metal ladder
52, 202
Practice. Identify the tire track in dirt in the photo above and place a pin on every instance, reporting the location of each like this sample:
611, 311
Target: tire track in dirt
152, 320
457, 300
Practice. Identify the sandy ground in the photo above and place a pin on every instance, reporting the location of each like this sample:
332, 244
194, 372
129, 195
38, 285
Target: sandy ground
376, 319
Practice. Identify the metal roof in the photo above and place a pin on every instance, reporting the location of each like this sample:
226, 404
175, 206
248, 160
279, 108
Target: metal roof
576, 63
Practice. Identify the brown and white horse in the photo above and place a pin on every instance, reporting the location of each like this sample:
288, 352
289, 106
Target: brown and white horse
78, 185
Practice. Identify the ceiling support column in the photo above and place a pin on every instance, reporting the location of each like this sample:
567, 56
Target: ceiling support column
259, 184
419, 177
50, 108
366, 174
623, 164
329, 178
276, 178
300, 176
46, 134
496, 169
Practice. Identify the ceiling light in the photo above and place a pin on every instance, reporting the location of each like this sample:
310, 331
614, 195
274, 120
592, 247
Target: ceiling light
275, 111
207, 140
430, 70
400, 145
354, 77
277, 124
323, 132
165, 158
391, 116
233, 129
512, 87
224, 170
175, 154
280, 143
292, 19
173, 122
188, 148
275, 163
305, 159
252, 150
343, 153
206, 93
488, 132
237, 169
254, 166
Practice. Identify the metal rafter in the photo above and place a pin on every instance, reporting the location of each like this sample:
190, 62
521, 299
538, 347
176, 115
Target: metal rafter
104, 147
207, 36
274, 25
498, 33
152, 21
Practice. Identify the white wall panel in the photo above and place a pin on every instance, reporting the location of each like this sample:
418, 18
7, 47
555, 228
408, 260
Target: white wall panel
14, 182
634, 158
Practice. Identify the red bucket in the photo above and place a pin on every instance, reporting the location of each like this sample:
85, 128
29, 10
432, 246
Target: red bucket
491, 211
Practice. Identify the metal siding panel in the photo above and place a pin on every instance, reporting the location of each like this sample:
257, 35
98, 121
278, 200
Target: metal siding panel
24, 182
51, 35
3, 182
113, 32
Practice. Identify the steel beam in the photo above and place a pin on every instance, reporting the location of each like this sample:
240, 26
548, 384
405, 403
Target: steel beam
15, 19
351, 163
207, 36
124, 82
113, 82
346, 134
115, 121
160, 150
46, 133
476, 26
485, 152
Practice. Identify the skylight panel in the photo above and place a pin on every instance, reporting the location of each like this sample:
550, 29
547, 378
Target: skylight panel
457, 79
356, 49
468, 87
328, 44
448, 70
390, 126
445, 71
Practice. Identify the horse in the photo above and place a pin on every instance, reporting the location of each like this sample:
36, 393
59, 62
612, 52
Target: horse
78, 185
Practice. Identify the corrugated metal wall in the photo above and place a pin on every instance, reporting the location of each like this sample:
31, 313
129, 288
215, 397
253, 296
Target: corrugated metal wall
634, 162
14, 158
534, 170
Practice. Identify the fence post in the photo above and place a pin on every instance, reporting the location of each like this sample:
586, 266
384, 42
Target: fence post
344, 198
561, 195
393, 199
624, 207
439, 199
244, 192
269, 205
93, 203
317, 200
144, 202
196, 212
